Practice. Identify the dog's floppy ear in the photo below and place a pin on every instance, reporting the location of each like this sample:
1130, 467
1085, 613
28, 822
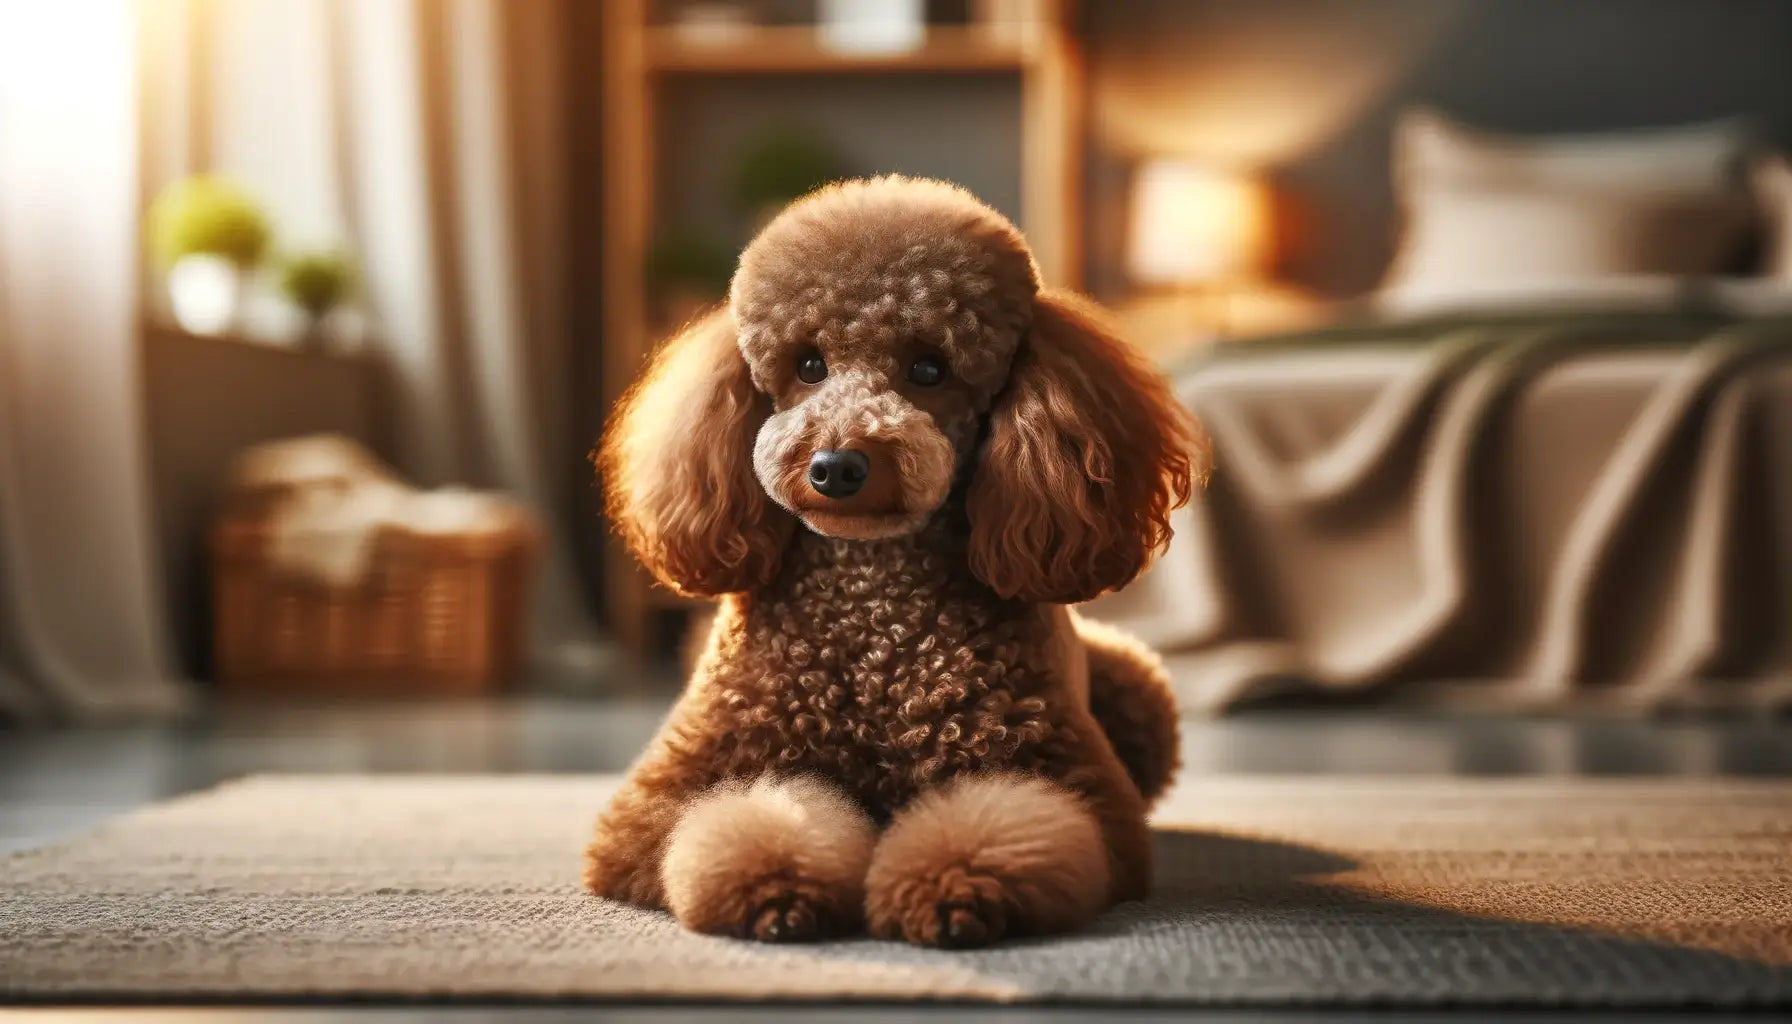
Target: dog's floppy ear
677, 467
1087, 454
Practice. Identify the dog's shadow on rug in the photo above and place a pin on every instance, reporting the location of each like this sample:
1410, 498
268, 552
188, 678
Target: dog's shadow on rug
1195, 862
1244, 919
1323, 920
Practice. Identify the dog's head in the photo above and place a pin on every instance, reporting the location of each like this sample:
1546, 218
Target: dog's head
881, 318
887, 342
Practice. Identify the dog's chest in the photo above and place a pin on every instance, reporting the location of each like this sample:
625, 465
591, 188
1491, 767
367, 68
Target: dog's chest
886, 665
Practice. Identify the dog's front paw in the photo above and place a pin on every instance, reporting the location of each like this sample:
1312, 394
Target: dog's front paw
957, 909
782, 910
986, 858
777, 861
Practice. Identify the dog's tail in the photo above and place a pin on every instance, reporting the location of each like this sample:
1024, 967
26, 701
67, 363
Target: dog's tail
1129, 692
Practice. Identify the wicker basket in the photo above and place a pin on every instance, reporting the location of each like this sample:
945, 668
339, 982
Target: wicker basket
441, 615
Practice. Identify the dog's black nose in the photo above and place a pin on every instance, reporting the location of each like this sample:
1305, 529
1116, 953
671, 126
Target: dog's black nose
838, 474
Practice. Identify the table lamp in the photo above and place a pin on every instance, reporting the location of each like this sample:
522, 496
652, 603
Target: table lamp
1198, 228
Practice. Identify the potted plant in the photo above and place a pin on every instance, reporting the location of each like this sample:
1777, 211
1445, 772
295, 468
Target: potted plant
780, 166
316, 283
206, 233
687, 272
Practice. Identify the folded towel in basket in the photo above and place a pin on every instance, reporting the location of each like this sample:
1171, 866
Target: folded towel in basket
328, 500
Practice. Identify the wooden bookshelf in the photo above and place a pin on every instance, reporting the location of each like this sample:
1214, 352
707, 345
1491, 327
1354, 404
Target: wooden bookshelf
1037, 49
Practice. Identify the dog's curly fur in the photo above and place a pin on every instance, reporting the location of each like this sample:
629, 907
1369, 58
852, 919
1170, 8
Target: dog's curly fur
900, 659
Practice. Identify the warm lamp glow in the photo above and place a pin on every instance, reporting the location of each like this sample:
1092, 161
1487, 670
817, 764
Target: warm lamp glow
1193, 224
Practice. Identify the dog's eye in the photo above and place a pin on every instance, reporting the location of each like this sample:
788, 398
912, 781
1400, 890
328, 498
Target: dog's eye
811, 368
927, 371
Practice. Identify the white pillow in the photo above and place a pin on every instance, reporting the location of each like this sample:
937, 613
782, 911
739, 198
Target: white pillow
1481, 211
1430, 148
1773, 197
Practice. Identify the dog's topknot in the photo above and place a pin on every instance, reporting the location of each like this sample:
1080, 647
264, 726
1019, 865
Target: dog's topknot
864, 264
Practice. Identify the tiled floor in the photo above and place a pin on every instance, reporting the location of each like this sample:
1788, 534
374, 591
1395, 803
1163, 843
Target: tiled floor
55, 783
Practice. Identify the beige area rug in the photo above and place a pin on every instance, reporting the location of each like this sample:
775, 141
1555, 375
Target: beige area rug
1270, 890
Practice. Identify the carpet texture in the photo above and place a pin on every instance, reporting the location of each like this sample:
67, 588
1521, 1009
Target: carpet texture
1270, 890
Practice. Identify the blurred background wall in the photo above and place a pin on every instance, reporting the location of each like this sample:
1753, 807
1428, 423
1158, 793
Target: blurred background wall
445, 138
1301, 94
1306, 91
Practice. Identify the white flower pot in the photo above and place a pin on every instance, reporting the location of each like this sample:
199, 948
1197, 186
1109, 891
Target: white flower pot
872, 26
206, 293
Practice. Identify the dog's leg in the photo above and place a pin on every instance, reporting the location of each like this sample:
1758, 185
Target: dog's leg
623, 860
780, 860
1129, 694
988, 856
685, 759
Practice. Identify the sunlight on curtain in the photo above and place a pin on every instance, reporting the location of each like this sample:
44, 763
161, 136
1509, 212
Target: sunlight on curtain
80, 632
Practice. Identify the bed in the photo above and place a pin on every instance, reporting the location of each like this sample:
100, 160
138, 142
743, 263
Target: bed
1586, 510
1502, 488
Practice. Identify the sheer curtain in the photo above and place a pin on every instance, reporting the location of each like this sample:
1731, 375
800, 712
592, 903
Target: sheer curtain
425, 135
81, 634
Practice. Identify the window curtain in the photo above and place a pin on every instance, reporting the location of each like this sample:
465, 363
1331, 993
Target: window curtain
81, 634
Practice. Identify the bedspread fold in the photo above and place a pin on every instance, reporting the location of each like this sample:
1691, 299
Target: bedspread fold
1585, 513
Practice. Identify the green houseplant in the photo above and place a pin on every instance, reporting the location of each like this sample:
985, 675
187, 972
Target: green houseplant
206, 233
779, 166
686, 272
317, 283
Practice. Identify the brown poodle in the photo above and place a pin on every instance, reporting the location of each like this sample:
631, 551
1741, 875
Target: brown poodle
897, 459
